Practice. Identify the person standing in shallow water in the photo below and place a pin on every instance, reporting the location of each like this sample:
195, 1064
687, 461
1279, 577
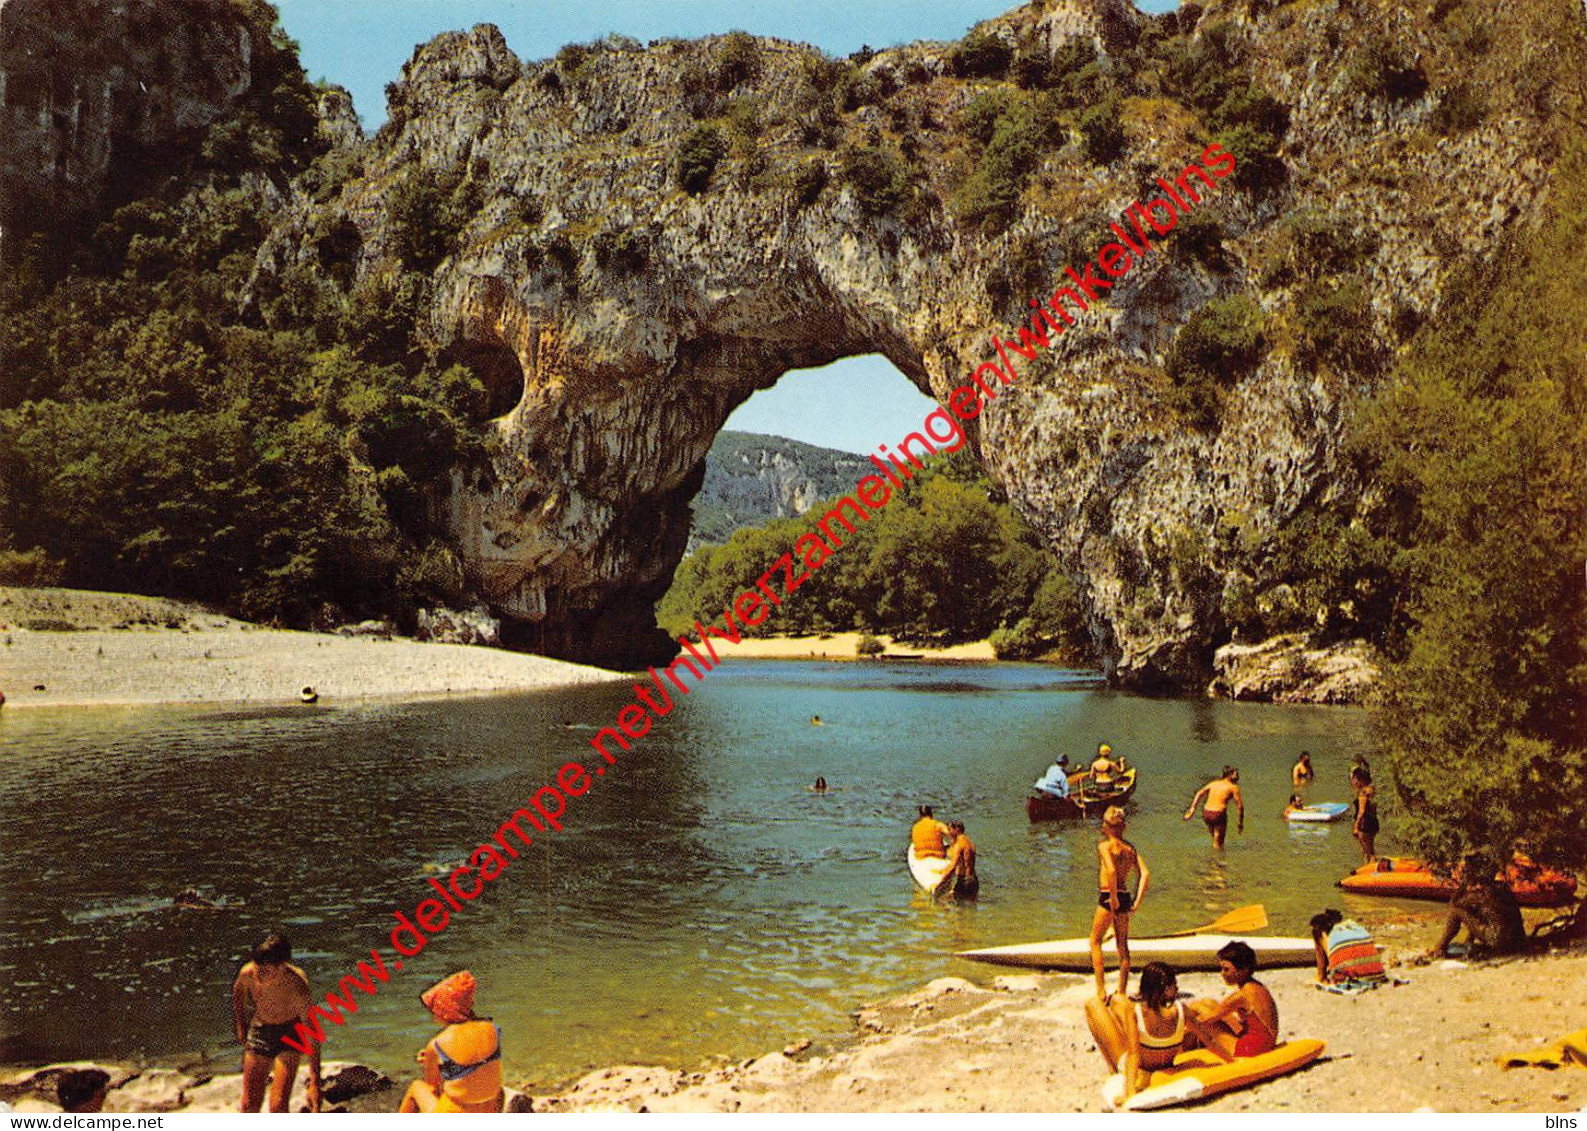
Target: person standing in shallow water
1366, 824
1115, 904
1219, 794
961, 882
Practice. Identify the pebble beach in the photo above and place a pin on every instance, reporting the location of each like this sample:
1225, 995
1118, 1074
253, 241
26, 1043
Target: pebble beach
69, 648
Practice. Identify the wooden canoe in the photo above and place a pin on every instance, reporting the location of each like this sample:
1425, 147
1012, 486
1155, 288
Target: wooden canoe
1084, 799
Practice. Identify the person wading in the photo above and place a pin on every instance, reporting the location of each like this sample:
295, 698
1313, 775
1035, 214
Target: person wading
961, 882
1219, 793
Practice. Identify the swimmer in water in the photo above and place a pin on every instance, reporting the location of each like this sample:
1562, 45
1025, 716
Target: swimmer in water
1302, 774
189, 898
820, 786
815, 721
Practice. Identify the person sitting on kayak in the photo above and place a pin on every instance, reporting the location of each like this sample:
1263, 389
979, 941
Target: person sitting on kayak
1302, 774
1346, 954
960, 881
1055, 782
928, 834
1114, 902
1219, 793
1140, 1039
1246, 1022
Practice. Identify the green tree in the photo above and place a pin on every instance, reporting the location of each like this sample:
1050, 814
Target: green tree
1482, 440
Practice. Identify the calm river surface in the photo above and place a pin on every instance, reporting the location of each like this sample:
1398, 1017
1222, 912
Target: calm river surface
701, 900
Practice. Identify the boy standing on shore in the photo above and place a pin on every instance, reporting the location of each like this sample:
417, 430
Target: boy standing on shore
1115, 904
268, 1000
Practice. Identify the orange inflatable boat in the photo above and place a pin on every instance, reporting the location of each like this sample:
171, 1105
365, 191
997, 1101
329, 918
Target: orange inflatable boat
1411, 879
1539, 887
1397, 875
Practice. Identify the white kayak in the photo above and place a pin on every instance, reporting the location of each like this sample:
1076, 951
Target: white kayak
1327, 811
927, 870
1188, 952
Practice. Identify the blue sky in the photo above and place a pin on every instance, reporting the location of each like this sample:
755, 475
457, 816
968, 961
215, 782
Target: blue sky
362, 45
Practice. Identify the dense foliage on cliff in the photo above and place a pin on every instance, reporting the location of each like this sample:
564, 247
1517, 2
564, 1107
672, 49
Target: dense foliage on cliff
156, 440
1481, 446
942, 562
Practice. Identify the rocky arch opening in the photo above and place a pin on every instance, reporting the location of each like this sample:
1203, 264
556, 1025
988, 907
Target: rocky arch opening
834, 392
804, 438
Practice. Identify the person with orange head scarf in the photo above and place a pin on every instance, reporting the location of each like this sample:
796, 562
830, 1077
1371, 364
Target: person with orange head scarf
462, 1065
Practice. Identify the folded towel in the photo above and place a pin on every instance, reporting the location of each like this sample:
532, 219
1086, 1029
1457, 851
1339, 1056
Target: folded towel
1569, 1049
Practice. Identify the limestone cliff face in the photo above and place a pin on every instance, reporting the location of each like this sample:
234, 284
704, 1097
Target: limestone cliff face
619, 319
90, 91
751, 479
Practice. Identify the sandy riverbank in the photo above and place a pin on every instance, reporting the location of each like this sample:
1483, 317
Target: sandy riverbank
107, 649
842, 646
1019, 1043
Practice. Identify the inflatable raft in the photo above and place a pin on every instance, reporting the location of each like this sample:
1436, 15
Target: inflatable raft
1200, 1074
927, 870
1186, 952
1327, 811
1411, 879
1408, 879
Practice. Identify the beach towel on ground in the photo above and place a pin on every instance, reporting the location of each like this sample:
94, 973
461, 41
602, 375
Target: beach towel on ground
1352, 955
1358, 986
1569, 1049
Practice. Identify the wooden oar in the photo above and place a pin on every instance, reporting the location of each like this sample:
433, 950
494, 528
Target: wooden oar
1236, 922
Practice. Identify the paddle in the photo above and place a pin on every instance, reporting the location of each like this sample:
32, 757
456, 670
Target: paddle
1236, 922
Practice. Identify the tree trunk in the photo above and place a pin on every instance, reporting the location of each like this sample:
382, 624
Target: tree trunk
1492, 916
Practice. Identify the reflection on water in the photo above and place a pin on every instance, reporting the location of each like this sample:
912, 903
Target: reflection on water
701, 899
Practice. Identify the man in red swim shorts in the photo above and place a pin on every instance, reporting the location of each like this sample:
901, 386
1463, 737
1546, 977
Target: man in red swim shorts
1220, 793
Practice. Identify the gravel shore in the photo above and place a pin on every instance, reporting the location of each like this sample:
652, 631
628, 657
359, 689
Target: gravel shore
68, 648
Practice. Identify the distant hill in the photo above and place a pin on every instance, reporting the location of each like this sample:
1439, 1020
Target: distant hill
751, 479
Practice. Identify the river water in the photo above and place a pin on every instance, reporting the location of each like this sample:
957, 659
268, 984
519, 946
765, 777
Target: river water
701, 899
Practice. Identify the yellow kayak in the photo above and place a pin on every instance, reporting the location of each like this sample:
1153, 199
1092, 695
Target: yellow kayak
1200, 1074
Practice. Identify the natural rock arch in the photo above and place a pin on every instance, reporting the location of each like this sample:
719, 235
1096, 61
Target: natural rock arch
638, 315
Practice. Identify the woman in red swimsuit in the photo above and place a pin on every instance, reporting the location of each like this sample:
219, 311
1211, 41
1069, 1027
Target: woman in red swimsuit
1246, 1022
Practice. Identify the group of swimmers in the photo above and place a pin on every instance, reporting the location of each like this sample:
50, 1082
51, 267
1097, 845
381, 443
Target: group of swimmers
1365, 825
933, 840
460, 1066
